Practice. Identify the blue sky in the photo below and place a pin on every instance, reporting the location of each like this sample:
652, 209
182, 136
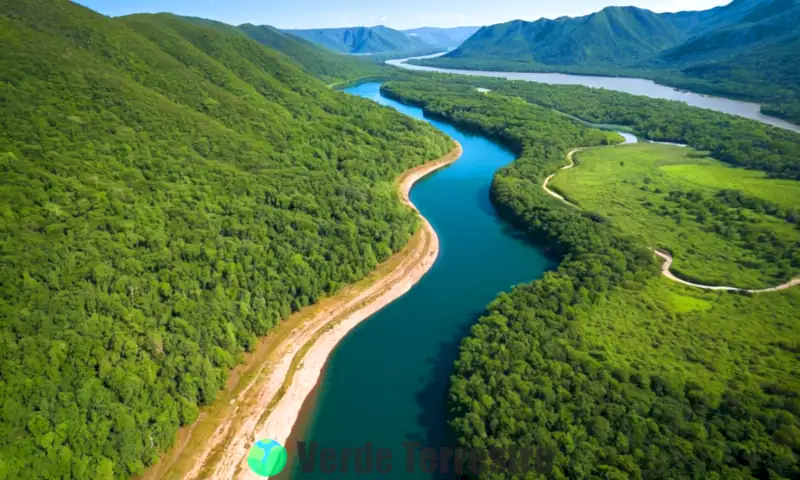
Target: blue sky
396, 14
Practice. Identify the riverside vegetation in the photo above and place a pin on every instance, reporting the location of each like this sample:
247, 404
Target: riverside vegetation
733, 140
604, 367
747, 49
170, 192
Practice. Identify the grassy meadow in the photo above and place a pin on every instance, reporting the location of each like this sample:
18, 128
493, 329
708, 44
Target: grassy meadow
709, 174
671, 197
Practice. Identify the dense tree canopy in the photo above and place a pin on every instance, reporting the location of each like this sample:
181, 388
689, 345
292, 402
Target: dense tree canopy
735, 140
169, 192
602, 367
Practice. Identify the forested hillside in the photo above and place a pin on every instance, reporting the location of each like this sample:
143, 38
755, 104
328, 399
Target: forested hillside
747, 49
315, 60
735, 140
612, 36
169, 193
604, 368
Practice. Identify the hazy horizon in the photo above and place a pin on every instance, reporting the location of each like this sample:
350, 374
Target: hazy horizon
409, 14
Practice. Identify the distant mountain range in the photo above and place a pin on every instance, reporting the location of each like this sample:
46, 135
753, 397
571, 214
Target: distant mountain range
615, 35
380, 39
748, 49
329, 66
629, 35
362, 40
442, 37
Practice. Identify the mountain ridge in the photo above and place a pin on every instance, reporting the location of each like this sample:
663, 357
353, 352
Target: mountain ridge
361, 40
743, 50
449, 37
634, 32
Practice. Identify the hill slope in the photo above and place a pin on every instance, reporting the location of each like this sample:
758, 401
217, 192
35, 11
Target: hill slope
770, 22
757, 58
627, 36
615, 35
442, 37
169, 193
317, 61
362, 40
322, 63
746, 49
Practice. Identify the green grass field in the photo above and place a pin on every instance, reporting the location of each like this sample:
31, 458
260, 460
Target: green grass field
713, 175
666, 195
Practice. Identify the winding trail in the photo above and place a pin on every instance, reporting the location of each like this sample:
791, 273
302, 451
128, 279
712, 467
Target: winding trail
665, 267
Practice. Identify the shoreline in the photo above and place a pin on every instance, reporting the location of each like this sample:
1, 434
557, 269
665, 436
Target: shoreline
269, 405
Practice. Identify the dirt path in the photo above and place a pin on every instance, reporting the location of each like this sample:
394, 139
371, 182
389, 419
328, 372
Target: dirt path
550, 177
667, 273
665, 267
268, 405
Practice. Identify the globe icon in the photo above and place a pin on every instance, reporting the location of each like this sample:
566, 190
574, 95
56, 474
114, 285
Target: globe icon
266, 458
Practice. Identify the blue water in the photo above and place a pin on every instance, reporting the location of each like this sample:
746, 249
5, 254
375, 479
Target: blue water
386, 382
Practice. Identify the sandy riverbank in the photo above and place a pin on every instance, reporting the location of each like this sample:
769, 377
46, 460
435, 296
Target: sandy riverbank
269, 406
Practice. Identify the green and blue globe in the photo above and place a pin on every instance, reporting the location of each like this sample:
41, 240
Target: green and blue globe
267, 458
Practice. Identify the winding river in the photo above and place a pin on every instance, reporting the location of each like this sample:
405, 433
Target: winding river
387, 380
385, 385
635, 86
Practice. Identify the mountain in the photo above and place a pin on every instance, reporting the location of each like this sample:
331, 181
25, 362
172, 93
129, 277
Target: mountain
442, 37
720, 17
633, 37
614, 35
766, 23
362, 40
327, 65
746, 49
170, 191
757, 58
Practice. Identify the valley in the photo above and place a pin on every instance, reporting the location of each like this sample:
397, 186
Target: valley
634, 86
746, 50
631, 348
238, 250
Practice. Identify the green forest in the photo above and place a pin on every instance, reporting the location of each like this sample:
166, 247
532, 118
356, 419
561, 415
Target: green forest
604, 367
763, 76
734, 140
326, 65
169, 193
173, 188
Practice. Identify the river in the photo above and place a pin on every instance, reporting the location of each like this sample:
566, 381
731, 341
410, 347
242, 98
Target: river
635, 86
387, 380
